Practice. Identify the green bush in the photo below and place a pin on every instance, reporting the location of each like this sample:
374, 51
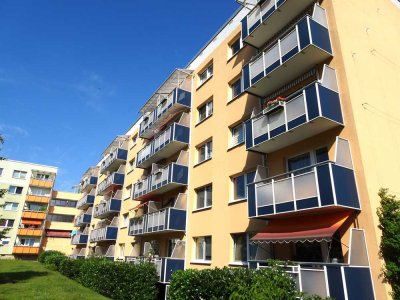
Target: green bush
235, 284
42, 256
53, 261
71, 268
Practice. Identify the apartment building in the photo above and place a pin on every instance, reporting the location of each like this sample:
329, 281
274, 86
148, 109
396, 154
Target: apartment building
26, 203
272, 143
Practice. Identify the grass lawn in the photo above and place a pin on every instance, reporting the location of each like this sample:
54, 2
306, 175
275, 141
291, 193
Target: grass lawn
31, 280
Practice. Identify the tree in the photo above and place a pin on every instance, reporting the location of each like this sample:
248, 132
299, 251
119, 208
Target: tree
3, 232
389, 224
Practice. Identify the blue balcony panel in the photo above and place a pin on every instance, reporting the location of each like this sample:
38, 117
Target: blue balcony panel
320, 188
110, 207
309, 112
114, 160
85, 202
164, 145
306, 46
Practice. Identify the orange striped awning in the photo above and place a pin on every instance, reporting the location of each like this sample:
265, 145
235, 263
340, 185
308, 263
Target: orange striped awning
301, 229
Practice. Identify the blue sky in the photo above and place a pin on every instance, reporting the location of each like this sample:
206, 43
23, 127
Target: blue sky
74, 73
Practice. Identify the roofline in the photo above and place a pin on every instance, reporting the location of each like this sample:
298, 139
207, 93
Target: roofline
30, 163
214, 36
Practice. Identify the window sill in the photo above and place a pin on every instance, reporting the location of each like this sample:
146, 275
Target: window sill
236, 53
235, 146
123, 227
202, 121
239, 264
232, 202
201, 262
234, 98
204, 82
201, 209
202, 162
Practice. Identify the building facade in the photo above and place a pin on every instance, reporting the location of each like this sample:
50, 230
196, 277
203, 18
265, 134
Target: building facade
272, 143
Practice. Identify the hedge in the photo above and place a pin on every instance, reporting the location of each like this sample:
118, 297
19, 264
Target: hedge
42, 256
234, 284
116, 280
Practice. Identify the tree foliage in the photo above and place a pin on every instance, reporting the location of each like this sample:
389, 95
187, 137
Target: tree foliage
389, 224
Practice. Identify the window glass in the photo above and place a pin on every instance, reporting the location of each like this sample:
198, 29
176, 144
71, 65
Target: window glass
205, 111
203, 248
239, 184
63, 203
235, 46
321, 154
207, 73
238, 134
10, 206
19, 174
236, 88
299, 162
205, 151
239, 247
204, 197
15, 189
60, 218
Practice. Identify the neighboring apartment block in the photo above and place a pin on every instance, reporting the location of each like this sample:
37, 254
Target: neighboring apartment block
38, 217
272, 143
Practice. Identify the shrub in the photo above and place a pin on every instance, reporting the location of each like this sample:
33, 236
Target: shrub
42, 256
53, 261
71, 268
235, 284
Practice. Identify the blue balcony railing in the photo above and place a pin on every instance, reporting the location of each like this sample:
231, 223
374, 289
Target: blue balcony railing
84, 218
80, 239
108, 233
266, 19
308, 112
113, 182
88, 184
168, 142
177, 101
304, 46
165, 220
338, 281
163, 180
324, 186
85, 201
106, 208
113, 160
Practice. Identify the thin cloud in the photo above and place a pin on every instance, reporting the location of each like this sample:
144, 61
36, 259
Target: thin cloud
13, 130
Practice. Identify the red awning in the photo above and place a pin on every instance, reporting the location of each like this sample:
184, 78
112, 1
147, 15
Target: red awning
58, 233
301, 229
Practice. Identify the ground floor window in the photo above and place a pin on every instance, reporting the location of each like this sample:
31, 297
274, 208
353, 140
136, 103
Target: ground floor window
203, 248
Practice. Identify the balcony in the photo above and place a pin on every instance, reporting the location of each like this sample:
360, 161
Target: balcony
165, 266
26, 250
306, 113
165, 220
39, 215
30, 232
267, 19
103, 251
43, 183
108, 206
162, 180
113, 182
168, 142
86, 201
105, 231
78, 253
88, 184
307, 44
81, 238
84, 218
178, 100
113, 160
323, 187
37, 199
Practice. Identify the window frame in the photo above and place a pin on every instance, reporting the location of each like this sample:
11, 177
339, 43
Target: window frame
205, 74
209, 110
232, 139
246, 182
245, 237
12, 205
232, 84
207, 190
7, 223
19, 172
208, 151
203, 240
16, 189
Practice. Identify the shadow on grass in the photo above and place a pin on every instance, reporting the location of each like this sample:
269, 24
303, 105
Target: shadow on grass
14, 277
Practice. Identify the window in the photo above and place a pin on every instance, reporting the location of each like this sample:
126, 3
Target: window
19, 174
121, 250
10, 206
41, 176
203, 248
60, 218
235, 46
204, 197
4, 241
39, 191
125, 220
29, 242
128, 192
205, 151
131, 165
302, 161
239, 247
171, 246
240, 185
63, 203
15, 189
237, 135
35, 207
1, 171
133, 140
207, 73
6, 223
205, 110
236, 88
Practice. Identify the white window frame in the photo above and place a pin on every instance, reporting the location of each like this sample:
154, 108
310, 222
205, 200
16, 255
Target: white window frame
37, 191
209, 106
15, 189
202, 240
7, 223
206, 74
5, 241
245, 236
204, 190
42, 176
235, 141
125, 220
231, 52
12, 205
231, 88
18, 174
207, 151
